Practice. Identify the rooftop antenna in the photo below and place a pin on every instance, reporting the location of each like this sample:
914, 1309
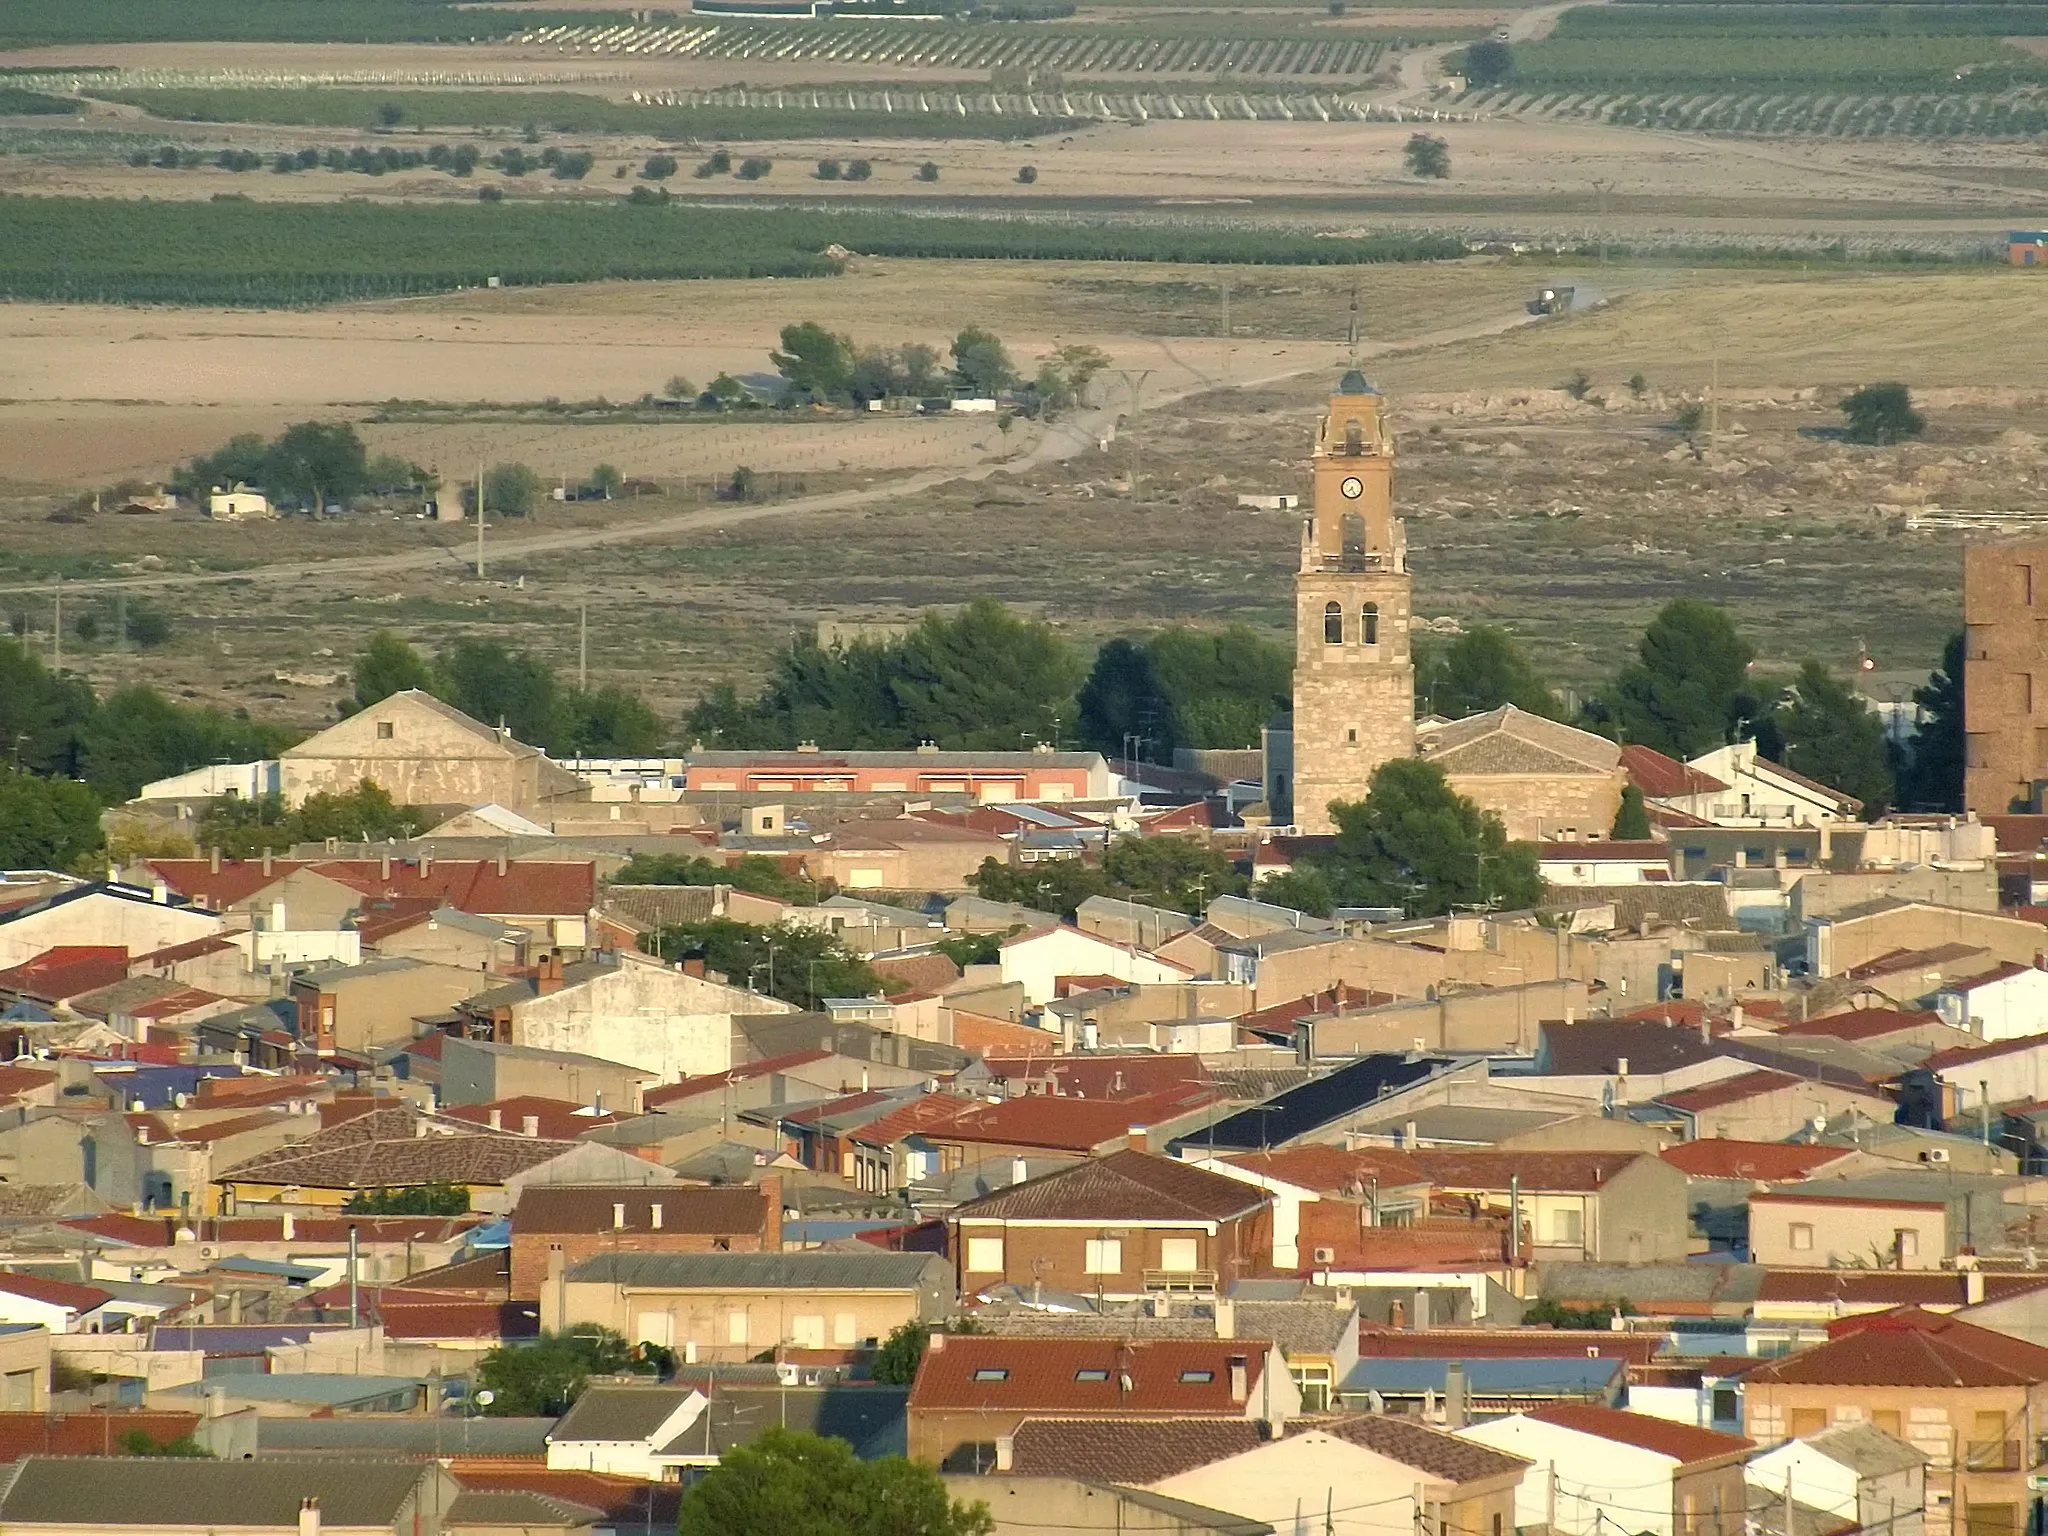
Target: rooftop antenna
1354, 324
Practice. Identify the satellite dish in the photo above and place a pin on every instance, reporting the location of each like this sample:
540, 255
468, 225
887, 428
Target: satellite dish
485, 1398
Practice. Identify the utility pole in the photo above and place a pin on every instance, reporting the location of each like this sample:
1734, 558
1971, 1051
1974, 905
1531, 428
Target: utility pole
1226, 328
1714, 401
1601, 189
120, 622
583, 648
57, 631
479, 519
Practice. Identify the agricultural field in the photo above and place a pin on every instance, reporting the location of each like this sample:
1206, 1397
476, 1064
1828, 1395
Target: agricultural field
56, 23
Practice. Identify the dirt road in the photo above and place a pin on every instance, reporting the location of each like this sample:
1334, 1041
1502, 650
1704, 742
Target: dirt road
1084, 431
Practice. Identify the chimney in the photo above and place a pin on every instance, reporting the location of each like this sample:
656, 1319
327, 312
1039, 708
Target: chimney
618, 1215
309, 1517
1135, 1138
501, 866
217, 1404
277, 917
597, 1102
547, 976
936, 1344
266, 863
694, 966
142, 1135
160, 893
213, 859
291, 1227
1226, 1318
654, 1216
1006, 1453
426, 865
1973, 1287
529, 1125
771, 1213
1020, 1170
1240, 1379
1454, 1395
497, 1119
384, 866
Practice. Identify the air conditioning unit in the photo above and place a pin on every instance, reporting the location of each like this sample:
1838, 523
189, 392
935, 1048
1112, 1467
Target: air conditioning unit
1326, 1255
1934, 1155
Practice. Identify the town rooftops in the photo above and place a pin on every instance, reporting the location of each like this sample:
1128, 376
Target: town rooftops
66, 970
1124, 1186
54, 1293
1729, 1090
1332, 1170
1297, 1111
1495, 1376
1685, 1444
1088, 1376
1541, 1172
1441, 1455
112, 1493
817, 1269
1127, 1450
1863, 1023
1909, 1348
565, 887
712, 1210
1665, 778
1867, 1450
717, 1082
1962, 1054
396, 1147
1595, 1047
1768, 1161
620, 1413
1883, 1289
1511, 740
808, 762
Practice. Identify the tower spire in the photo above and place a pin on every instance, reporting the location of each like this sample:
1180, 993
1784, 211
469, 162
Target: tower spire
1353, 354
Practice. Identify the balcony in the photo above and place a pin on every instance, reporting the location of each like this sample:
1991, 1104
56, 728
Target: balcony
1991, 1455
1193, 1282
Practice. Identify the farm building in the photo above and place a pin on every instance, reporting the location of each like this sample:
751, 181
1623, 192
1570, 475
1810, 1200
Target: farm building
2027, 247
238, 503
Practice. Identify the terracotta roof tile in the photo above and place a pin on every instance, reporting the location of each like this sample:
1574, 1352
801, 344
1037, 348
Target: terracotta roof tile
1060, 1376
1683, 1443
380, 1149
1137, 1451
1720, 1158
558, 1119
1069, 1124
1665, 778
1909, 1348
1863, 1023
65, 971
628, 1502
562, 887
1332, 1170
1540, 1172
1446, 1456
1101, 1077
55, 1293
1124, 1186
715, 1082
1729, 1090
1886, 1289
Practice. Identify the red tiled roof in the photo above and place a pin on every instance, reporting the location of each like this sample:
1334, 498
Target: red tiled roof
1605, 851
558, 887
558, 1119
1167, 1376
1678, 1010
980, 1032
1665, 778
1540, 1171
1127, 1451
627, 1502
1886, 1289
2018, 833
171, 954
1997, 973
87, 1431
65, 971
1102, 1077
198, 1135
1911, 959
1683, 1443
916, 973
1124, 1186
1338, 999
1957, 1055
714, 1082
1332, 1170
56, 1293
1714, 1157
1067, 1124
162, 1231
1450, 1457
441, 1319
1909, 1348
16, 1080
1729, 1090
382, 1149
1863, 1023
1507, 1344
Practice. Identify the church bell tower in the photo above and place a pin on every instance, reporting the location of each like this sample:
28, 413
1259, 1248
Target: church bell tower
1354, 677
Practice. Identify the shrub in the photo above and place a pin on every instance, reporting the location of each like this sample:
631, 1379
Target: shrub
754, 167
642, 197
1488, 62
1882, 414
659, 167
858, 170
390, 114
828, 170
1427, 156
1638, 385
1578, 384
928, 172
1027, 175
490, 194
148, 627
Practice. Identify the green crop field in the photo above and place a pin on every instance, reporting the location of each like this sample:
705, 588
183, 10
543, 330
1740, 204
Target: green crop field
1648, 18
19, 103
250, 253
1836, 63
568, 112
45, 23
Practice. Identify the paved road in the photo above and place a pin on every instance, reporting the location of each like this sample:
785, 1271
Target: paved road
1067, 438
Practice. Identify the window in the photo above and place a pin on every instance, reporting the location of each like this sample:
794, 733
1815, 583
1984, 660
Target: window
1801, 1235
1354, 438
1091, 1373
1808, 1421
1727, 1407
736, 1328
985, 1255
1497, 1525
1886, 1419
1105, 1256
992, 1373
1369, 624
1351, 737
1333, 624
384, 729
1565, 1225
1314, 1382
1178, 1255
809, 1332
1197, 1378
18, 1393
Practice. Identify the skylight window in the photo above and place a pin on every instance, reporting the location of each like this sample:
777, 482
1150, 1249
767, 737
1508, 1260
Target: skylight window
1197, 1378
992, 1373
1091, 1373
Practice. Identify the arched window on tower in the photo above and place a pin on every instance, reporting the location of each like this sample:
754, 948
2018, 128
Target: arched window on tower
1369, 624
1333, 624
1354, 438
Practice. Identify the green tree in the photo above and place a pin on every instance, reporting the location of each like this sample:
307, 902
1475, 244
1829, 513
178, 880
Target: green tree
1184, 688
1488, 62
1414, 842
139, 1442
148, 627
1932, 777
1631, 817
791, 1484
1305, 888
1427, 156
1057, 886
795, 962
542, 1378
47, 823
981, 364
410, 1200
388, 665
317, 462
487, 682
1064, 376
965, 949
659, 167
609, 722
752, 872
896, 1362
1175, 872
1833, 736
240, 461
510, 490
136, 735
42, 715
984, 678
817, 363
1882, 414
607, 480
1690, 683
929, 171
1480, 670
361, 815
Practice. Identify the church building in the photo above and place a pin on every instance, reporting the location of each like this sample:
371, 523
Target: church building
1354, 674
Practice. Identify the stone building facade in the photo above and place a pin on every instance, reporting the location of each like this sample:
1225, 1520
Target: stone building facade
2005, 676
1354, 676
423, 752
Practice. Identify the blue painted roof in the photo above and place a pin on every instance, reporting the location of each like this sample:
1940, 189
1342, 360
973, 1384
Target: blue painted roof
492, 1234
815, 1230
271, 1267
1518, 1375
231, 1338
156, 1087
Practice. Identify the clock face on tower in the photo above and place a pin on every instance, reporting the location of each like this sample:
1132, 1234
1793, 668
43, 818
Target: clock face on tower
1352, 487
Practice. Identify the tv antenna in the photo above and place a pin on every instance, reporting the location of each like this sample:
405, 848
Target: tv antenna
1354, 324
